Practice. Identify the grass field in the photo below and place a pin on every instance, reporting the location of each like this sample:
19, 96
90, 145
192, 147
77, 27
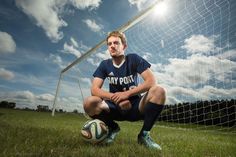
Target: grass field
28, 133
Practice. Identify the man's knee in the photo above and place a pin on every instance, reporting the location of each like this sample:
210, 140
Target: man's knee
158, 93
91, 105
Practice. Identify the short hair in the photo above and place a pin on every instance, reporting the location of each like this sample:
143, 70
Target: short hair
117, 34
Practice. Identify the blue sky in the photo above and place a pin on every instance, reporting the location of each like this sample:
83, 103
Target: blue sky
192, 47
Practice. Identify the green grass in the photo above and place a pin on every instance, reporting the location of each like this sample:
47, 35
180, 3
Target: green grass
27, 133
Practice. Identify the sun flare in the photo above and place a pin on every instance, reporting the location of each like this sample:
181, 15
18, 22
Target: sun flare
161, 9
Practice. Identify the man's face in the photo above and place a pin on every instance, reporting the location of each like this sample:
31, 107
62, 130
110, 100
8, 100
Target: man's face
115, 46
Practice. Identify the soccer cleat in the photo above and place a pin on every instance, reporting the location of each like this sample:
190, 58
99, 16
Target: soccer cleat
111, 135
147, 141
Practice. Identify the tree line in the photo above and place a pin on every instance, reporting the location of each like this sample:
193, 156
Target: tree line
214, 112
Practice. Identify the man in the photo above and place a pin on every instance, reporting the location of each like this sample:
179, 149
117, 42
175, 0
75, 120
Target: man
124, 100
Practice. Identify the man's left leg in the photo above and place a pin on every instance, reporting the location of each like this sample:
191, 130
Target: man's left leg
151, 106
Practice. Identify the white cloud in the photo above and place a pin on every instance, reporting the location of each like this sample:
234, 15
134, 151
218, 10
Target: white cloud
82, 4
195, 70
46, 16
23, 95
177, 94
27, 98
138, 3
92, 62
147, 56
87, 81
200, 44
103, 55
171, 100
96, 58
93, 25
70, 49
47, 13
6, 74
230, 54
7, 44
189, 79
75, 48
45, 97
55, 59
212, 92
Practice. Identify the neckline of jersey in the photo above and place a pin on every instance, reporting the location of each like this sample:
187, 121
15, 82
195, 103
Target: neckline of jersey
118, 66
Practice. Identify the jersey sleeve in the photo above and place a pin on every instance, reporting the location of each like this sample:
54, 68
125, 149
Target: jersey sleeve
100, 71
141, 63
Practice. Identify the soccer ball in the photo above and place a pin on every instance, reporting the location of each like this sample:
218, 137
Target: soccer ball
94, 131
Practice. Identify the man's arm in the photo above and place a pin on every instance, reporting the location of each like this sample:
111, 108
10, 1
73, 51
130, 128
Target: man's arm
149, 81
96, 89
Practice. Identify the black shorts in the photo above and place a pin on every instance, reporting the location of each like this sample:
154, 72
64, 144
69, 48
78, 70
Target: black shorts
132, 114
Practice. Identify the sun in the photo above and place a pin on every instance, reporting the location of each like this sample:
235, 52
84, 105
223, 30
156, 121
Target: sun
161, 9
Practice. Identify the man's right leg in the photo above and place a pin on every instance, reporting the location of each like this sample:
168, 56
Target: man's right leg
96, 108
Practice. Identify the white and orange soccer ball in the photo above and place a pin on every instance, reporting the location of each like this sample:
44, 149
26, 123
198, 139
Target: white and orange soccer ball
94, 131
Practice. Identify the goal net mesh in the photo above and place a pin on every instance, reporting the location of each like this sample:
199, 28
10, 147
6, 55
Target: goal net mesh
192, 52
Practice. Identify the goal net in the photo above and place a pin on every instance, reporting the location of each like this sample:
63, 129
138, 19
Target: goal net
192, 52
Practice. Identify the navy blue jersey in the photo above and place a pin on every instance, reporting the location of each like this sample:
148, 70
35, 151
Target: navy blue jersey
124, 77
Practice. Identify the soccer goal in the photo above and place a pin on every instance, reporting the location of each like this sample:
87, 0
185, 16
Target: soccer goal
191, 46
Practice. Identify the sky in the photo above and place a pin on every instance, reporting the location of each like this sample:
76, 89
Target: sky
191, 46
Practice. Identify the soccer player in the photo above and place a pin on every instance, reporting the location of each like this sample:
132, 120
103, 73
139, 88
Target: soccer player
126, 99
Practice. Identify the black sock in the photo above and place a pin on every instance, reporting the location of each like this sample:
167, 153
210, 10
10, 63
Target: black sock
151, 114
104, 116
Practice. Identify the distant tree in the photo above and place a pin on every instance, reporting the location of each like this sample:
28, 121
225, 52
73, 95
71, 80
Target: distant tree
61, 110
75, 111
42, 108
6, 104
12, 104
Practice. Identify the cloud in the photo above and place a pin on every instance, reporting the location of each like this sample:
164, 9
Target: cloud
230, 55
200, 44
23, 95
103, 55
7, 44
55, 59
27, 98
87, 81
71, 48
82, 4
96, 58
92, 62
191, 79
213, 92
75, 48
45, 97
147, 56
195, 70
46, 14
177, 94
138, 3
93, 25
6, 74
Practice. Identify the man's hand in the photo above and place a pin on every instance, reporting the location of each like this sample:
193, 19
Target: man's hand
119, 97
125, 105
